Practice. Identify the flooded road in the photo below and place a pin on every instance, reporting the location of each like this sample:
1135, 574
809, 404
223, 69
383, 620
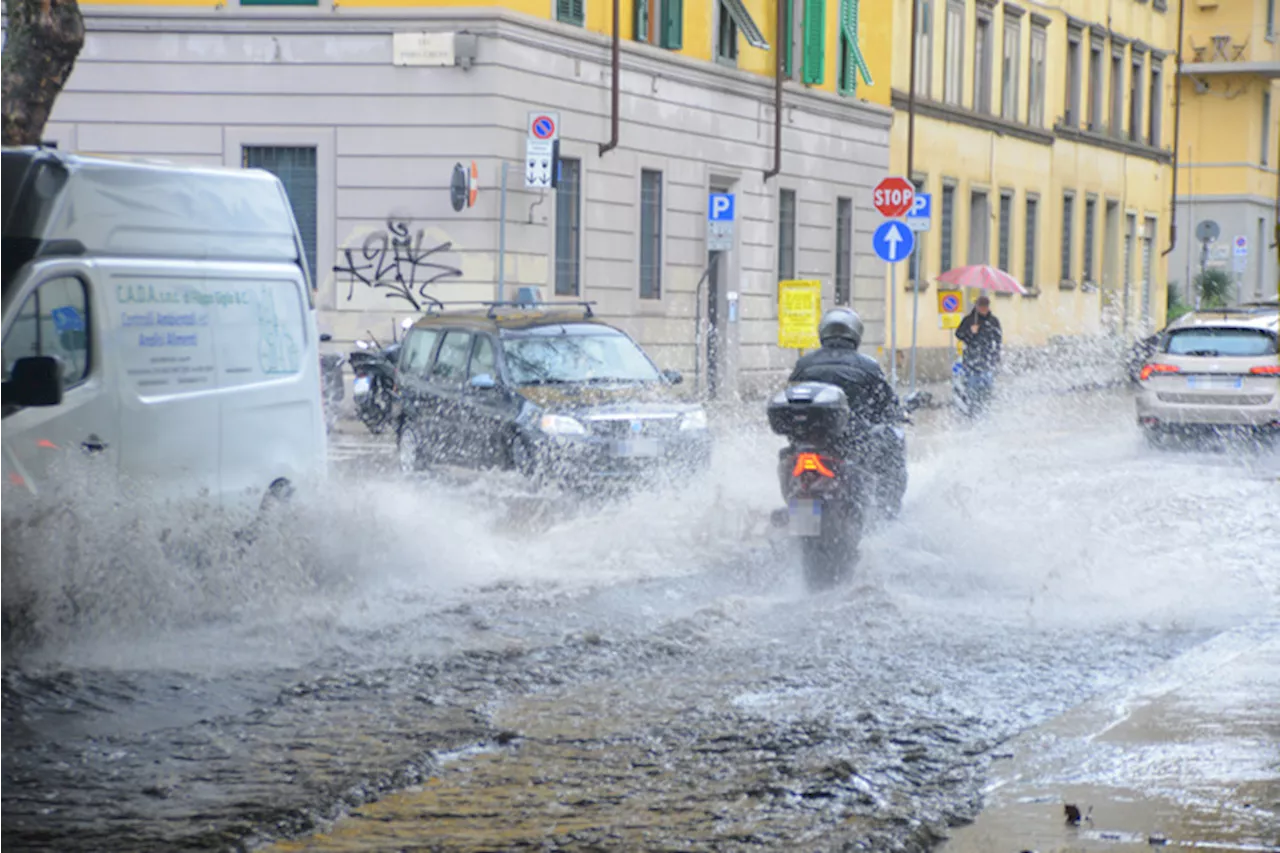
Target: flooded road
500, 674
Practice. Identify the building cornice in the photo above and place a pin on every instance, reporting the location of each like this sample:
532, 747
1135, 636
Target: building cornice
1014, 11
1268, 70
1038, 20
636, 57
1124, 146
981, 121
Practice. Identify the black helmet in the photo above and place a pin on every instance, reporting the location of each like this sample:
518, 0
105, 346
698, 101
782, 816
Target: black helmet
841, 324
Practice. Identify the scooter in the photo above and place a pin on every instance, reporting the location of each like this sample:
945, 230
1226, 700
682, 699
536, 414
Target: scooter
373, 388
829, 494
332, 388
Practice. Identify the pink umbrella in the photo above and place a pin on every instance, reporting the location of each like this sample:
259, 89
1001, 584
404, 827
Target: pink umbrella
983, 277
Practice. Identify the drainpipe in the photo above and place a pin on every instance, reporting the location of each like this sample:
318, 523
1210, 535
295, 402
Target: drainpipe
615, 61
911, 100
777, 90
1177, 126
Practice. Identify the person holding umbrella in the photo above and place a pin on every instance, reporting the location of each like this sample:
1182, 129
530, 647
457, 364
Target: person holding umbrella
983, 341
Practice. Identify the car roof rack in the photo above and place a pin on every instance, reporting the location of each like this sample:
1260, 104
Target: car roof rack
491, 307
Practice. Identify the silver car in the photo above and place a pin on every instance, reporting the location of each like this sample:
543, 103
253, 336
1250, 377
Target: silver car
1213, 371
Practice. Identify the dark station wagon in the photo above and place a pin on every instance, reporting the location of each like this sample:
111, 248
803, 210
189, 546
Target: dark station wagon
547, 390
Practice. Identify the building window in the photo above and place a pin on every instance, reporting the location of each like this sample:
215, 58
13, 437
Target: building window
1148, 240
917, 255
982, 61
850, 62
1260, 266
1004, 261
924, 48
786, 235
1135, 99
571, 11
806, 26
733, 18
1271, 18
1090, 218
296, 169
1155, 104
1071, 115
844, 251
650, 234
1036, 76
953, 53
569, 228
1096, 117
948, 224
1068, 233
1117, 90
979, 228
1265, 159
1010, 67
660, 22
1131, 227
1029, 256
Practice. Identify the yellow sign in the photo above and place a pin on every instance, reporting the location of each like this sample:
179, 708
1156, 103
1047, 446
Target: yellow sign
950, 302
799, 310
949, 321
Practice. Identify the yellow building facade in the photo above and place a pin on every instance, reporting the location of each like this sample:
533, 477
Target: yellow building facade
1044, 135
1229, 151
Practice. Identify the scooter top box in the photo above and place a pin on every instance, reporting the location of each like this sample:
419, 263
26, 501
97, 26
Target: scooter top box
809, 411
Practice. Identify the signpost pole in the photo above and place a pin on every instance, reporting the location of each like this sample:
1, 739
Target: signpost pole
893, 324
915, 323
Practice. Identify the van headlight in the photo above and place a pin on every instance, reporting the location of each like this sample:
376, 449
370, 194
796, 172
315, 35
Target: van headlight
694, 420
561, 425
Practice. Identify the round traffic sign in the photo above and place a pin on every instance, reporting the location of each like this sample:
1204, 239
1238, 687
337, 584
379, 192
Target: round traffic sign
950, 303
544, 127
893, 196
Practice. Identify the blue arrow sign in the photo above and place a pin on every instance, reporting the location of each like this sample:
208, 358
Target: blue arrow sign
893, 241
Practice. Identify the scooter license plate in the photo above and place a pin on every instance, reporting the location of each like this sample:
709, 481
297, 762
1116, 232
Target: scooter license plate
360, 385
805, 518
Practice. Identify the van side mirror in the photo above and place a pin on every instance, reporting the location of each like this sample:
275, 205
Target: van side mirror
34, 381
675, 377
483, 382
325, 337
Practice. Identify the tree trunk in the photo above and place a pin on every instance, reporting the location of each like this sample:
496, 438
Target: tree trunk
43, 39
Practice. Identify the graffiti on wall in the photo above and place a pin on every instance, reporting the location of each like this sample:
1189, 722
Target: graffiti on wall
398, 261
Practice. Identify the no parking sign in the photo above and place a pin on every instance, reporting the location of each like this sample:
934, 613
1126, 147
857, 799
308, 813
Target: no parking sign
950, 307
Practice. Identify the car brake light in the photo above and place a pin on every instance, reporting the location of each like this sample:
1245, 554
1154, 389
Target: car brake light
811, 462
1266, 370
1148, 369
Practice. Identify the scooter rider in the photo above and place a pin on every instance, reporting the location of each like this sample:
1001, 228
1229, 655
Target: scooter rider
870, 396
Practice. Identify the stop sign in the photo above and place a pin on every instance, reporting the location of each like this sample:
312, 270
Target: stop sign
893, 197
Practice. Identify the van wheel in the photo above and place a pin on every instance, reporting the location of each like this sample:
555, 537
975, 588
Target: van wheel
409, 449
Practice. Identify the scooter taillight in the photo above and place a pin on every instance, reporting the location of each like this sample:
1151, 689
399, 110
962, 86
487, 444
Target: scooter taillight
811, 462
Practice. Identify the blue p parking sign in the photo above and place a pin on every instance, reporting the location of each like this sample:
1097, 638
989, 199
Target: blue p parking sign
720, 207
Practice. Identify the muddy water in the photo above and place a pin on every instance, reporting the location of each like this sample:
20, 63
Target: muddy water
648, 675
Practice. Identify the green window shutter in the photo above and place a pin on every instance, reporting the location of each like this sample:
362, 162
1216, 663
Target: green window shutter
853, 55
641, 21
784, 39
570, 11
815, 41
673, 24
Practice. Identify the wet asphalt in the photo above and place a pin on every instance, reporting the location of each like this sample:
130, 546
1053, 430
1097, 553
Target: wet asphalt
636, 699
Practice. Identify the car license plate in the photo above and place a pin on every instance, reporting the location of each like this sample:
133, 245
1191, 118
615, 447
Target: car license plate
361, 385
1223, 383
638, 448
806, 518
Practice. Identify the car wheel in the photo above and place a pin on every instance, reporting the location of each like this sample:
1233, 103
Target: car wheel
524, 459
409, 449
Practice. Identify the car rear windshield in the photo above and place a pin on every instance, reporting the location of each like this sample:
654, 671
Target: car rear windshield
564, 357
1246, 343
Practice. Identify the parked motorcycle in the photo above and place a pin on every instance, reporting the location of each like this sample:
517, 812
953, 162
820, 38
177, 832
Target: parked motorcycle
373, 387
332, 388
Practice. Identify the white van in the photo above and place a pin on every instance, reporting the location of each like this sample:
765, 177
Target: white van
160, 322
